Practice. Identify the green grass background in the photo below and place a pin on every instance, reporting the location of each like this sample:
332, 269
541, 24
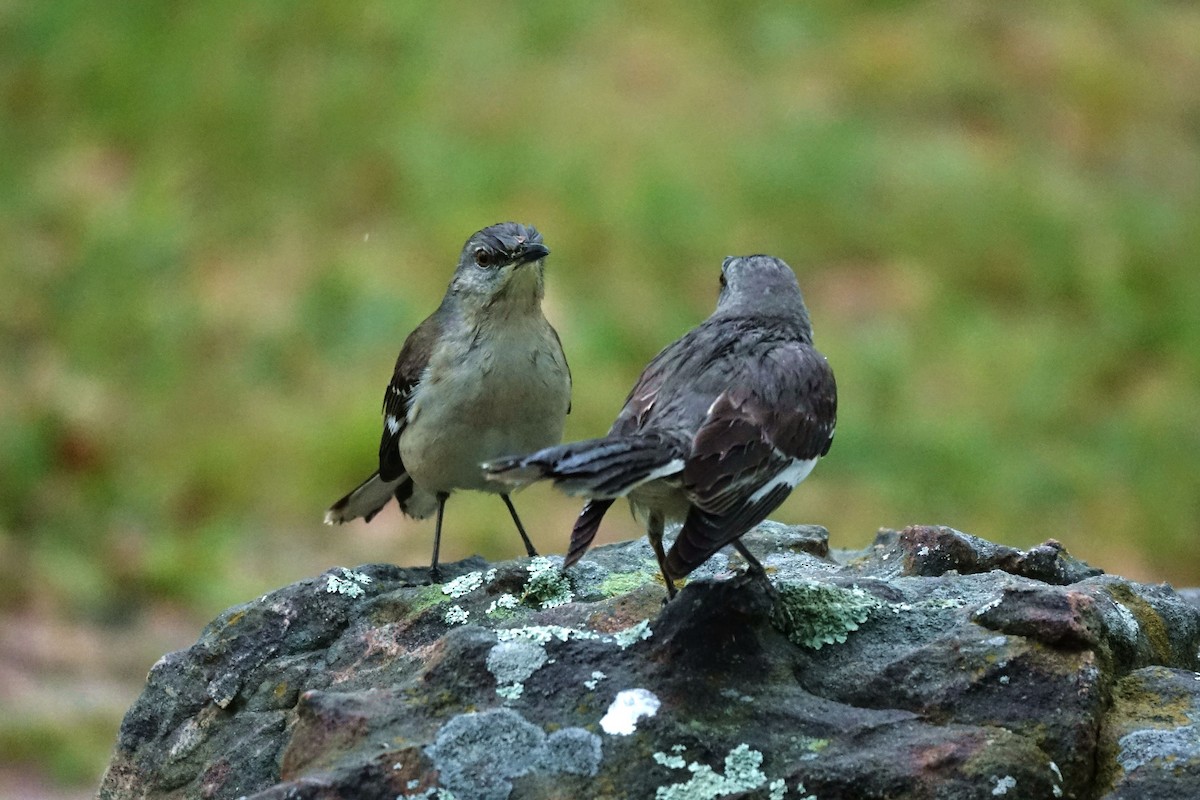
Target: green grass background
219, 220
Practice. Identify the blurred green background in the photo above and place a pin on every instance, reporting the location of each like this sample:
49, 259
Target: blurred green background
219, 220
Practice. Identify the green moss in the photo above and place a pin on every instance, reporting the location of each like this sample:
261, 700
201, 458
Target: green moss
815, 614
619, 583
427, 597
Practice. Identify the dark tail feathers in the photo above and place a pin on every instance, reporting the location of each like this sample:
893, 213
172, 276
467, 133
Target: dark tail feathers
599, 468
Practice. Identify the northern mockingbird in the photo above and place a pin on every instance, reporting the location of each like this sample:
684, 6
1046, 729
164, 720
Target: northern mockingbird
481, 377
718, 430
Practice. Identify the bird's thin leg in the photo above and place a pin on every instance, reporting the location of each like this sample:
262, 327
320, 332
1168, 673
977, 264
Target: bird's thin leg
435, 574
654, 532
520, 528
755, 567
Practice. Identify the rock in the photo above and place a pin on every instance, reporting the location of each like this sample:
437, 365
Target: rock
933, 664
1151, 736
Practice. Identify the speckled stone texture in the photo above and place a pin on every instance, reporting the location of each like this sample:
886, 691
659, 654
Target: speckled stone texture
931, 665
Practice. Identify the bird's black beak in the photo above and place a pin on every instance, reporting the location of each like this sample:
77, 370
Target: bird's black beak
532, 252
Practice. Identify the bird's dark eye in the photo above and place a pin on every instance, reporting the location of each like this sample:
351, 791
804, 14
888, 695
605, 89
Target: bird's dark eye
724, 281
484, 258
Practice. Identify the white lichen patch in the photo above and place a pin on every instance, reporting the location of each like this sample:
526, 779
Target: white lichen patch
988, 606
543, 634
633, 634
743, 773
432, 793
505, 601
463, 584
456, 615
1003, 785
547, 587
349, 583
626, 709
673, 761
597, 676
512, 691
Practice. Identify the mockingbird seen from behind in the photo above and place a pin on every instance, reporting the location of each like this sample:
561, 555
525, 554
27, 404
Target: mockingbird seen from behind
481, 377
716, 433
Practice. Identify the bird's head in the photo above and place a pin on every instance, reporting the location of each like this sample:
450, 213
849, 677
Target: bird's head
501, 261
760, 284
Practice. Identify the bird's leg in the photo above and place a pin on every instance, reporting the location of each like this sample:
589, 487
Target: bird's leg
435, 574
520, 528
654, 532
755, 567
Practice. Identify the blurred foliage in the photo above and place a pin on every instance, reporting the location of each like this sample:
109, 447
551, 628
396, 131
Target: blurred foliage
219, 221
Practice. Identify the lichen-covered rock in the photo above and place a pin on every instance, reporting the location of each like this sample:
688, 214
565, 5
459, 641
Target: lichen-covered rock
1151, 736
931, 665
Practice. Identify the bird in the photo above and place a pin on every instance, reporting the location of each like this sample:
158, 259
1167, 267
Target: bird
483, 375
716, 432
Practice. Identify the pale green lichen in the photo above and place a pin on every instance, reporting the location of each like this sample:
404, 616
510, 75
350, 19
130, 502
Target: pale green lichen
633, 634
432, 793
813, 614
513, 662
671, 761
597, 676
505, 602
547, 586
349, 583
743, 773
479, 754
463, 584
545, 633
813, 745
1003, 785
511, 691
456, 615
541, 634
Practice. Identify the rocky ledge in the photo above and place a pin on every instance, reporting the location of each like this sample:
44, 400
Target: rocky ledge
931, 665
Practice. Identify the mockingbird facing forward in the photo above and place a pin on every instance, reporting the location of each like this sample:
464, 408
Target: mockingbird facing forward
481, 377
718, 430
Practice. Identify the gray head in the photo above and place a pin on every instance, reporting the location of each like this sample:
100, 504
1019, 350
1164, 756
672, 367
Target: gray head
501, 261
760, 285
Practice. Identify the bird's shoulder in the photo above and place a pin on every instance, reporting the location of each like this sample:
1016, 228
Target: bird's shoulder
772, 361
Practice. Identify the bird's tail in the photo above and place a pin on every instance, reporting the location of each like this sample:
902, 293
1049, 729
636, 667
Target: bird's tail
604, 468
585, 530
369, 497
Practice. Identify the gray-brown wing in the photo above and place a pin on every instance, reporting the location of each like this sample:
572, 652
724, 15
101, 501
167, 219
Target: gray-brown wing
761, 437
410, 365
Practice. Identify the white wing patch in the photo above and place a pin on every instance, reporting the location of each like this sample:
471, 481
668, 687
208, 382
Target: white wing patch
393, 424
670, 468
790, 476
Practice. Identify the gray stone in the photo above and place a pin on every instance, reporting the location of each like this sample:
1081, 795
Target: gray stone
932, 664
